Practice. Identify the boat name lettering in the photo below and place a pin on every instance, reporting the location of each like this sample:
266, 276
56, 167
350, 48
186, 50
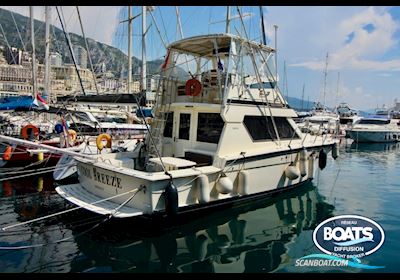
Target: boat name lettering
84, 171
107, 179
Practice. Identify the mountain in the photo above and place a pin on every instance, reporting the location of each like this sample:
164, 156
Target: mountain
114, 58
296, 104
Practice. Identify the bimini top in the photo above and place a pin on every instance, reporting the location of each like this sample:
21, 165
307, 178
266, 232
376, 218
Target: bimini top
203, 45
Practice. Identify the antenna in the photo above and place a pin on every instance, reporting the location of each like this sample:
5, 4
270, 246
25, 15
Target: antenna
276, 51
285, 84
262, 26
228, 18
302, 97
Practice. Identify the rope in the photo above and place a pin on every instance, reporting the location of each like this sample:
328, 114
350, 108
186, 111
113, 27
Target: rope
66, 211
39, 169
74, 236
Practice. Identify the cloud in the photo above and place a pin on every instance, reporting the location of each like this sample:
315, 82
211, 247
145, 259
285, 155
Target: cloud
385, 74
369, 34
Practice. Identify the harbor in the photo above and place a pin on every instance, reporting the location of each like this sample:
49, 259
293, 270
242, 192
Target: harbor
197, 160
265, 237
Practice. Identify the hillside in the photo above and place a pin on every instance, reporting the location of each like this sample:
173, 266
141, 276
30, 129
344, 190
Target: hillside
296, 104
114, 58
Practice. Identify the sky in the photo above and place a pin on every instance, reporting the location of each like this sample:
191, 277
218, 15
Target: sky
363, 43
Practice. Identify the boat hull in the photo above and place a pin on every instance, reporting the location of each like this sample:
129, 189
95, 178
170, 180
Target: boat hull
144, 193
20, 156
373, 136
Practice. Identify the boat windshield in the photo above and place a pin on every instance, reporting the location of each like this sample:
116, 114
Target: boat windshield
374, 121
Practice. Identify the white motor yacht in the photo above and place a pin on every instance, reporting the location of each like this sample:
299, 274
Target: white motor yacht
374, 130
222, 133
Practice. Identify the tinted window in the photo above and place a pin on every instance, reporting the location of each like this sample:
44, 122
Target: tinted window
209, 127
374, 122
263, 85
168, 124
184, 126
261, 128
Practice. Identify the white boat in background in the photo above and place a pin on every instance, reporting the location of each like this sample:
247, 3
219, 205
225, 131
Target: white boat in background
374, 130
320, 123
347, 115
219, 136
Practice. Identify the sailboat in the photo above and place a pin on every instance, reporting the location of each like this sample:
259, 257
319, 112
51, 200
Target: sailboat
322, 120
219, 137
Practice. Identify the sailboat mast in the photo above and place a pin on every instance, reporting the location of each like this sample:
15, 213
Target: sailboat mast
34, 86
144, 63
47, 55
302, 97
337, 88
325, 75
228, 18
129, 50
285, 84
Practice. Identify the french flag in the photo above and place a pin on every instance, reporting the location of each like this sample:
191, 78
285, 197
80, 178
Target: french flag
40, 102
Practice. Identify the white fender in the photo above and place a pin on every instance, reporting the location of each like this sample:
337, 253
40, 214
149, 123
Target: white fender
303, 162
224, 185
243, 182
292, 172
203, 189
311, 167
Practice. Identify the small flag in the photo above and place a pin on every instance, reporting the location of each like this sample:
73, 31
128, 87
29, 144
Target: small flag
220, 66
40, 102
164, 65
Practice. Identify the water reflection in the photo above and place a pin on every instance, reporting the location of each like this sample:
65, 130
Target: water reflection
373, 147
22, 200
246, 239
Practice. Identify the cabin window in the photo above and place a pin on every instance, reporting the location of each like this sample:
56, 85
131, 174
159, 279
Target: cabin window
263, 85
209, 127
184, 126
261, 128
169, 117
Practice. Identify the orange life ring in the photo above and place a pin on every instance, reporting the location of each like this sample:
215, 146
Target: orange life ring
24, 131
99, 141
193, 87
7, 153
72, 134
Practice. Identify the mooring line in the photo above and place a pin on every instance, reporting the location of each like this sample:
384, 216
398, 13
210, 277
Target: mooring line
65, 211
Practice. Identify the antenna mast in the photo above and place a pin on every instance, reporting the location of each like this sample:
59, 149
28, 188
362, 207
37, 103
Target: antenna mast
228, 19
262, 26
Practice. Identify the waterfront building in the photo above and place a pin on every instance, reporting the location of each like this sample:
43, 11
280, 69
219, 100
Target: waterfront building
81, 56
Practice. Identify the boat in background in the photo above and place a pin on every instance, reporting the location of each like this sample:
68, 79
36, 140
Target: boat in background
374, 130
347, 115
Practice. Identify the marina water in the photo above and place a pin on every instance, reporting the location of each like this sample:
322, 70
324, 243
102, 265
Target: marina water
265, 236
